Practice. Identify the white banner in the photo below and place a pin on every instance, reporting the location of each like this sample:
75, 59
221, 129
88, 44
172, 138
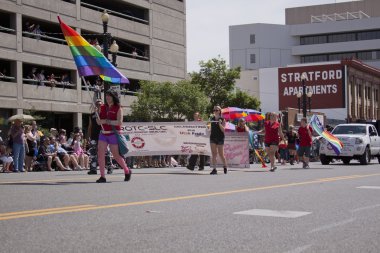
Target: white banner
183, 138
167, 138
236, 150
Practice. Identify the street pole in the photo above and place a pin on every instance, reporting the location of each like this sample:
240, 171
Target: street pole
105, 18
304, 104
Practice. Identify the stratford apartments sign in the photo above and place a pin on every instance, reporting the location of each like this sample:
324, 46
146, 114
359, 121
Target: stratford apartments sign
326, 82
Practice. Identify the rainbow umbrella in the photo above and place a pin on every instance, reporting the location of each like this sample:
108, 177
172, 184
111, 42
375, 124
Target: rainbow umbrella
231, 113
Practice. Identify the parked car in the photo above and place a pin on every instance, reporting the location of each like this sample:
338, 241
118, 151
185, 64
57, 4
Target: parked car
360, 142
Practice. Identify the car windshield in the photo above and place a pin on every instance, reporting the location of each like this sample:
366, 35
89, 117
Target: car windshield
359, 130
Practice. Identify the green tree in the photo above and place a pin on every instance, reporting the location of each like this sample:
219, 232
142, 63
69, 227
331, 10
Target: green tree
168, 101
216, 80
242, 99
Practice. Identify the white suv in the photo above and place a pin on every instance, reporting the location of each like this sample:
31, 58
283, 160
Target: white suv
360, 142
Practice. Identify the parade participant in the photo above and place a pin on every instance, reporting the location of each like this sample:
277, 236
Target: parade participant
111, 119
292, 136
273, 132
217, 139
305, 135
193, 158
93, 134
242, 127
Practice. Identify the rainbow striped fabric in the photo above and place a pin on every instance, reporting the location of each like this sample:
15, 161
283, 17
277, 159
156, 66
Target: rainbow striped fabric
335, 143
89, 61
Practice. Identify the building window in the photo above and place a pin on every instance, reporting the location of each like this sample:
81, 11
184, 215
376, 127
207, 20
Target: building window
365, 55
313, 58
252, 39
252, 58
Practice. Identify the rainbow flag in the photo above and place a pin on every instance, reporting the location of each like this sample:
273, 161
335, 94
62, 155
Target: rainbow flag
335, 143
89, 61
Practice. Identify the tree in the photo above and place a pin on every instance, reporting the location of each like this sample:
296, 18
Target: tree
168, 101
242, 99
216, 80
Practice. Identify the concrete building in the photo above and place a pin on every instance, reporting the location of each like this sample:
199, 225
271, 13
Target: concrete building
312, 36
319, 33
151, 35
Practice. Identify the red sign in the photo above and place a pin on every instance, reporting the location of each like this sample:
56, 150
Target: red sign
326, 82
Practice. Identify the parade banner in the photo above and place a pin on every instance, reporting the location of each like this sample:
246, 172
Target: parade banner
167, 138
183, 138
236, 150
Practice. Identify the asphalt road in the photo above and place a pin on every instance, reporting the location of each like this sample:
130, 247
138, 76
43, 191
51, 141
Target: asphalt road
332, 208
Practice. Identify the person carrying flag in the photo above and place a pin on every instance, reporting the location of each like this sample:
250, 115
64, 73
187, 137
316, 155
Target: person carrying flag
305, 136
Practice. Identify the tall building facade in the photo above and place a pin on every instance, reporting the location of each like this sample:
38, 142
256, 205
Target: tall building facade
151, 35
319, 33
314, 39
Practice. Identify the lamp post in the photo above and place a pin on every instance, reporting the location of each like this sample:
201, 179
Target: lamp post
306, 97
114, 49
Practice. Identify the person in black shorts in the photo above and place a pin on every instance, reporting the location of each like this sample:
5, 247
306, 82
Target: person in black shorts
217, 139
292, 137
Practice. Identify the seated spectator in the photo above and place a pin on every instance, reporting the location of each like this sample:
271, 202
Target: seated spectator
79, 152
44, 154
53, 132
65, 79
6, 158
41, 77
134, 53
52, 80
62, 135
62, 154
32, 75
37, 31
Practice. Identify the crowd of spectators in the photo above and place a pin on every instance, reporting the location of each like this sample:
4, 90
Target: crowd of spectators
38, 77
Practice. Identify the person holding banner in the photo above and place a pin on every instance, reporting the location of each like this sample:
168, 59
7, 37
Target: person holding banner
111, 119
193, 158
305, 135
273, 133
217, 139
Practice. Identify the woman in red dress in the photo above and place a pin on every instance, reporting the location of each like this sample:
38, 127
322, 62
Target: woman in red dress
111, 119
273, 133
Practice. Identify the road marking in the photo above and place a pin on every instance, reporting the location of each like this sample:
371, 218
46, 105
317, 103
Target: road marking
196, 196
369, 187
273, 213
332, 225
39, 211
74, 179
299, 249
365, 208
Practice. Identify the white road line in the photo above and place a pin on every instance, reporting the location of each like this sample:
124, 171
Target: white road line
332, 225
365, 208
369, 187
299, 249
273, 213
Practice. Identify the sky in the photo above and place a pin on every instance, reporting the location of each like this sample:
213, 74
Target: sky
208, 22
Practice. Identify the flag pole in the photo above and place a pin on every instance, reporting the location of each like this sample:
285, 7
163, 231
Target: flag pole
92, 100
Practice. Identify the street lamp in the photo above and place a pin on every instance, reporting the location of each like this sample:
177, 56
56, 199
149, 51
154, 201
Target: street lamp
114, 49
299, 95
303, 78
309, 95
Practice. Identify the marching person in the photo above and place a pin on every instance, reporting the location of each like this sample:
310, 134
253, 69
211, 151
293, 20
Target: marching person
217, 139
292, 137
242, 126
193, 158
273, 133
305, 135
111, 119
93, 134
